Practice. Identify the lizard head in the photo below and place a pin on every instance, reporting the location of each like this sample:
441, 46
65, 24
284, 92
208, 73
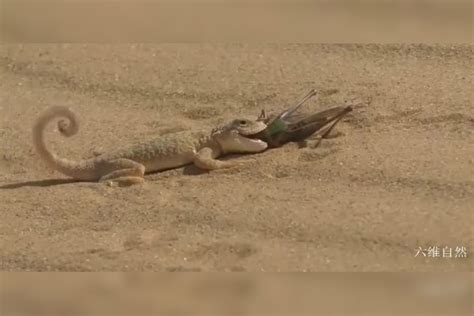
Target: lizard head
235, 136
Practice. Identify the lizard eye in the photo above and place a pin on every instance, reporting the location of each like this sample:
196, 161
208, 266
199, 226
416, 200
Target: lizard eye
243, 122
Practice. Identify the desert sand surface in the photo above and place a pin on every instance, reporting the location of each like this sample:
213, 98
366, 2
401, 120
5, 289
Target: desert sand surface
398, 176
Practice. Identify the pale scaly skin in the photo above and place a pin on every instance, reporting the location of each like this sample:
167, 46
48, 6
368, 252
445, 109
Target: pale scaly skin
128, 166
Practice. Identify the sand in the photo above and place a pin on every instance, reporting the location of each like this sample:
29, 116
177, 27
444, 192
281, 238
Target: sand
399, 175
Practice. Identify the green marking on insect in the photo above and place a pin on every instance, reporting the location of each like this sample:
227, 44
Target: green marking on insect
276, 127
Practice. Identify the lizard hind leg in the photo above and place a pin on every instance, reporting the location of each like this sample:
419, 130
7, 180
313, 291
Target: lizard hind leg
123, 172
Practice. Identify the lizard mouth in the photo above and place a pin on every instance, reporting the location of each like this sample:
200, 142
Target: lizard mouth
252, 144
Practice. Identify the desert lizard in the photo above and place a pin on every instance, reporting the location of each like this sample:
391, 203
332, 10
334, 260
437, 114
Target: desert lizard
127, 166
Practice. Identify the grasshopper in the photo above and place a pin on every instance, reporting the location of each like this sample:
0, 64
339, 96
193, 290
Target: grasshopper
289, 126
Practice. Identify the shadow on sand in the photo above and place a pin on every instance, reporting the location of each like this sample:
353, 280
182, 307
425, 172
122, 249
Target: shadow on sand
187, 170
40, 183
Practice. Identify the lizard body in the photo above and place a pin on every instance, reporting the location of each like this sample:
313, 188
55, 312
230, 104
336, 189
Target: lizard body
128, 166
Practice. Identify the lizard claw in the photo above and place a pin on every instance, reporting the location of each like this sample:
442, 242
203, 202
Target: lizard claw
111, 184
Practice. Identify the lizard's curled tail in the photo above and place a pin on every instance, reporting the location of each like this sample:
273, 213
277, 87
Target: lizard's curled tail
77, 169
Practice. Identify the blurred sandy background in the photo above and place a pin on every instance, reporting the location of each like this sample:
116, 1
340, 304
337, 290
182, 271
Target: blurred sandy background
399, 177
144, 294
334, 21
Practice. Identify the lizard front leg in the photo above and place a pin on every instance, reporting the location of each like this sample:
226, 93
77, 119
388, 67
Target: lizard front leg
204, 159
122, 172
